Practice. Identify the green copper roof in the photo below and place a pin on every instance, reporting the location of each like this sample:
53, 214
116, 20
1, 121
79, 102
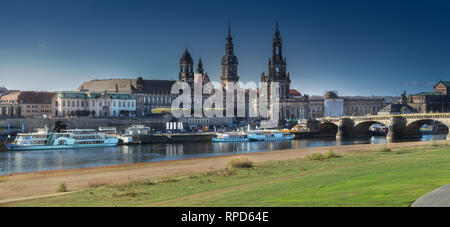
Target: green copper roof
428, 94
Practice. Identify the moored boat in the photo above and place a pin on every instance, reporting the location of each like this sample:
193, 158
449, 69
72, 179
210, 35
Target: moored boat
226, 137
76, 138
269, 136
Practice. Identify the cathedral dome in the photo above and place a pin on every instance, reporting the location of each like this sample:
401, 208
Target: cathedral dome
330, 95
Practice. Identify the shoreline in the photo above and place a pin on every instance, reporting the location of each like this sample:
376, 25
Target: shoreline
20, 186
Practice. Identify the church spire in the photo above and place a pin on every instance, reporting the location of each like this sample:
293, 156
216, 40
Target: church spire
229, 61
200, 66
277, 31
229, 38
229, 46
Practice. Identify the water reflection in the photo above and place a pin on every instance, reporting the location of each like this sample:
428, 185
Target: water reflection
26, 161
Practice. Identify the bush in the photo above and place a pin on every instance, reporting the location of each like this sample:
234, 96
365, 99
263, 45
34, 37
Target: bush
385, 149
331, 154
62, 187
315, 156
239, 163
319, 156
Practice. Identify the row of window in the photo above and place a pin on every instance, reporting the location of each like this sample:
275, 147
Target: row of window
116, 114
36, 106
158, 100
101, 103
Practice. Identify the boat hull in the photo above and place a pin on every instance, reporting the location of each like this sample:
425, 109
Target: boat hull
230, 140
270, 138
14, 147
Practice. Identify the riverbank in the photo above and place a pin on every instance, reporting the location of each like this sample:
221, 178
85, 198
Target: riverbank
15, 187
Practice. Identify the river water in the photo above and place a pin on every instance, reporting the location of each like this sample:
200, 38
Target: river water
28, 161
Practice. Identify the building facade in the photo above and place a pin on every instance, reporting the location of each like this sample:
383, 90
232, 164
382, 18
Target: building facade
149, 94
94, 104
352, 105
27, 104
432, 102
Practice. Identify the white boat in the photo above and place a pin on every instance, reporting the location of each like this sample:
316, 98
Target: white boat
76, 138
228, 137
269, 136
136, 130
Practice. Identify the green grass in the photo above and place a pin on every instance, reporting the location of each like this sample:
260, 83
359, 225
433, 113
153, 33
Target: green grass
395, 178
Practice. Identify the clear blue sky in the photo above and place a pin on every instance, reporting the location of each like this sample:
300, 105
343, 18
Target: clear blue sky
355, 47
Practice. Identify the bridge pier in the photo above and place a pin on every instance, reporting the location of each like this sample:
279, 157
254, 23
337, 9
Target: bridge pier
345, 127
396, 127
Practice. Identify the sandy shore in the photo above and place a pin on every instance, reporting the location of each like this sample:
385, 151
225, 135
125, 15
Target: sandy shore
38, 184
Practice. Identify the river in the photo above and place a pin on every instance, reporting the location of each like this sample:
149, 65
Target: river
28, 161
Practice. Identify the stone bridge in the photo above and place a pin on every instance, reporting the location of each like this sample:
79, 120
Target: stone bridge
400, 126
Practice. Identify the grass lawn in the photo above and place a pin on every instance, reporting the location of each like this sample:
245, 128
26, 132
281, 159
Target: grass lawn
375, 178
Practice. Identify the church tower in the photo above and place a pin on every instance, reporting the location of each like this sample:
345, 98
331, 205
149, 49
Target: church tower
277, 66
200, 71
229, 62
186, 68
200, 66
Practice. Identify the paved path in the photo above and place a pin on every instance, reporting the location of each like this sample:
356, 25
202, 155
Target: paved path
437, 198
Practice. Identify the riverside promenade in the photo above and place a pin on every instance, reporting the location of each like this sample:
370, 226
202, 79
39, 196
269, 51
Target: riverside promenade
437, 198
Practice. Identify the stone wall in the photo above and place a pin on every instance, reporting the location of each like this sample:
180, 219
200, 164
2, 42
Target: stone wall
30, 124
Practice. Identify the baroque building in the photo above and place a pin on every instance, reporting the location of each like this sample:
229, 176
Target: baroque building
27, 104
186, 68
432, 102
149, 94
94, 104
292, 104
229, 62
351, 105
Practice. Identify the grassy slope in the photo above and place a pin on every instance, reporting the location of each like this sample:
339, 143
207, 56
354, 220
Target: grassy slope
394, 178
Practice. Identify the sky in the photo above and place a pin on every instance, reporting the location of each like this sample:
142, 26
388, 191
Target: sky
355, 47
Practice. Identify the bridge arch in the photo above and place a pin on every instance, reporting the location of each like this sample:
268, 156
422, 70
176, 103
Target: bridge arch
328, 129
412, 129
362, 129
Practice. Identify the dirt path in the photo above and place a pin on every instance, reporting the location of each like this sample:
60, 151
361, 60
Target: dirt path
23, 185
